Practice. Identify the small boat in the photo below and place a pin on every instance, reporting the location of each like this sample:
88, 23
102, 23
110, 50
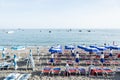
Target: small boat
88, 30
10, 32
80, 30
50, 31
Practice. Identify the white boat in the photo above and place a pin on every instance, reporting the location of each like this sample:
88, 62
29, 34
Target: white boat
10, 32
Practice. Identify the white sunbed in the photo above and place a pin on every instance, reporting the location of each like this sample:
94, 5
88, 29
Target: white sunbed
5, 65
12, 76
24, 77
118, 69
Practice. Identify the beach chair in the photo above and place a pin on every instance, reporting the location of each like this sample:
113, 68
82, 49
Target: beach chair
107, 63
24, 77
46, 70
118, 69
88, 62
5, 65
12, 76
70, 62
97, 57
115, 63
99, 72
91, 71
57, 62
96, 62
56, 71
71, 71
82, 71
109, 73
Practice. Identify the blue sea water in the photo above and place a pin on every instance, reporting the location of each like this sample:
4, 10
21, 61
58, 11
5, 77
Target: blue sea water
42, 37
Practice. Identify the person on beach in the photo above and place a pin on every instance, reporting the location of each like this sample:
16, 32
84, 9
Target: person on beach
38, 51
110, 56
52, 59
73, 54
67, 67
102, 60
77, 58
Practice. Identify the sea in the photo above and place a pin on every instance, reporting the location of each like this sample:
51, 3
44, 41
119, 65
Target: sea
50, 37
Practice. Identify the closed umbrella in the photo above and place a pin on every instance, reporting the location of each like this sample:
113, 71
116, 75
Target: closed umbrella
15, 62
31, 60
3, 54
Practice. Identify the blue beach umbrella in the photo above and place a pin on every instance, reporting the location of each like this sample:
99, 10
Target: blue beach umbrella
82, 47
108, 47
93, 46
101, 48
88, 49
56, 49
113, 47
116, 47
69, 47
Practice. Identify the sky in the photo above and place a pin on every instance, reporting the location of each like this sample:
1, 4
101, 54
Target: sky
60, 14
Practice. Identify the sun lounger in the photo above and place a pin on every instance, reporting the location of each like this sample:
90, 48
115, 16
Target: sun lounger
24, 77
116, 63
70, 62
12, 76
72, 71
56, 71
107, 62
46, 70
102, 72
82, 71
118, 69
109, 72
88, 62
5, 65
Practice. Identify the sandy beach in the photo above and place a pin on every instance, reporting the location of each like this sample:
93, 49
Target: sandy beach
41, 60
